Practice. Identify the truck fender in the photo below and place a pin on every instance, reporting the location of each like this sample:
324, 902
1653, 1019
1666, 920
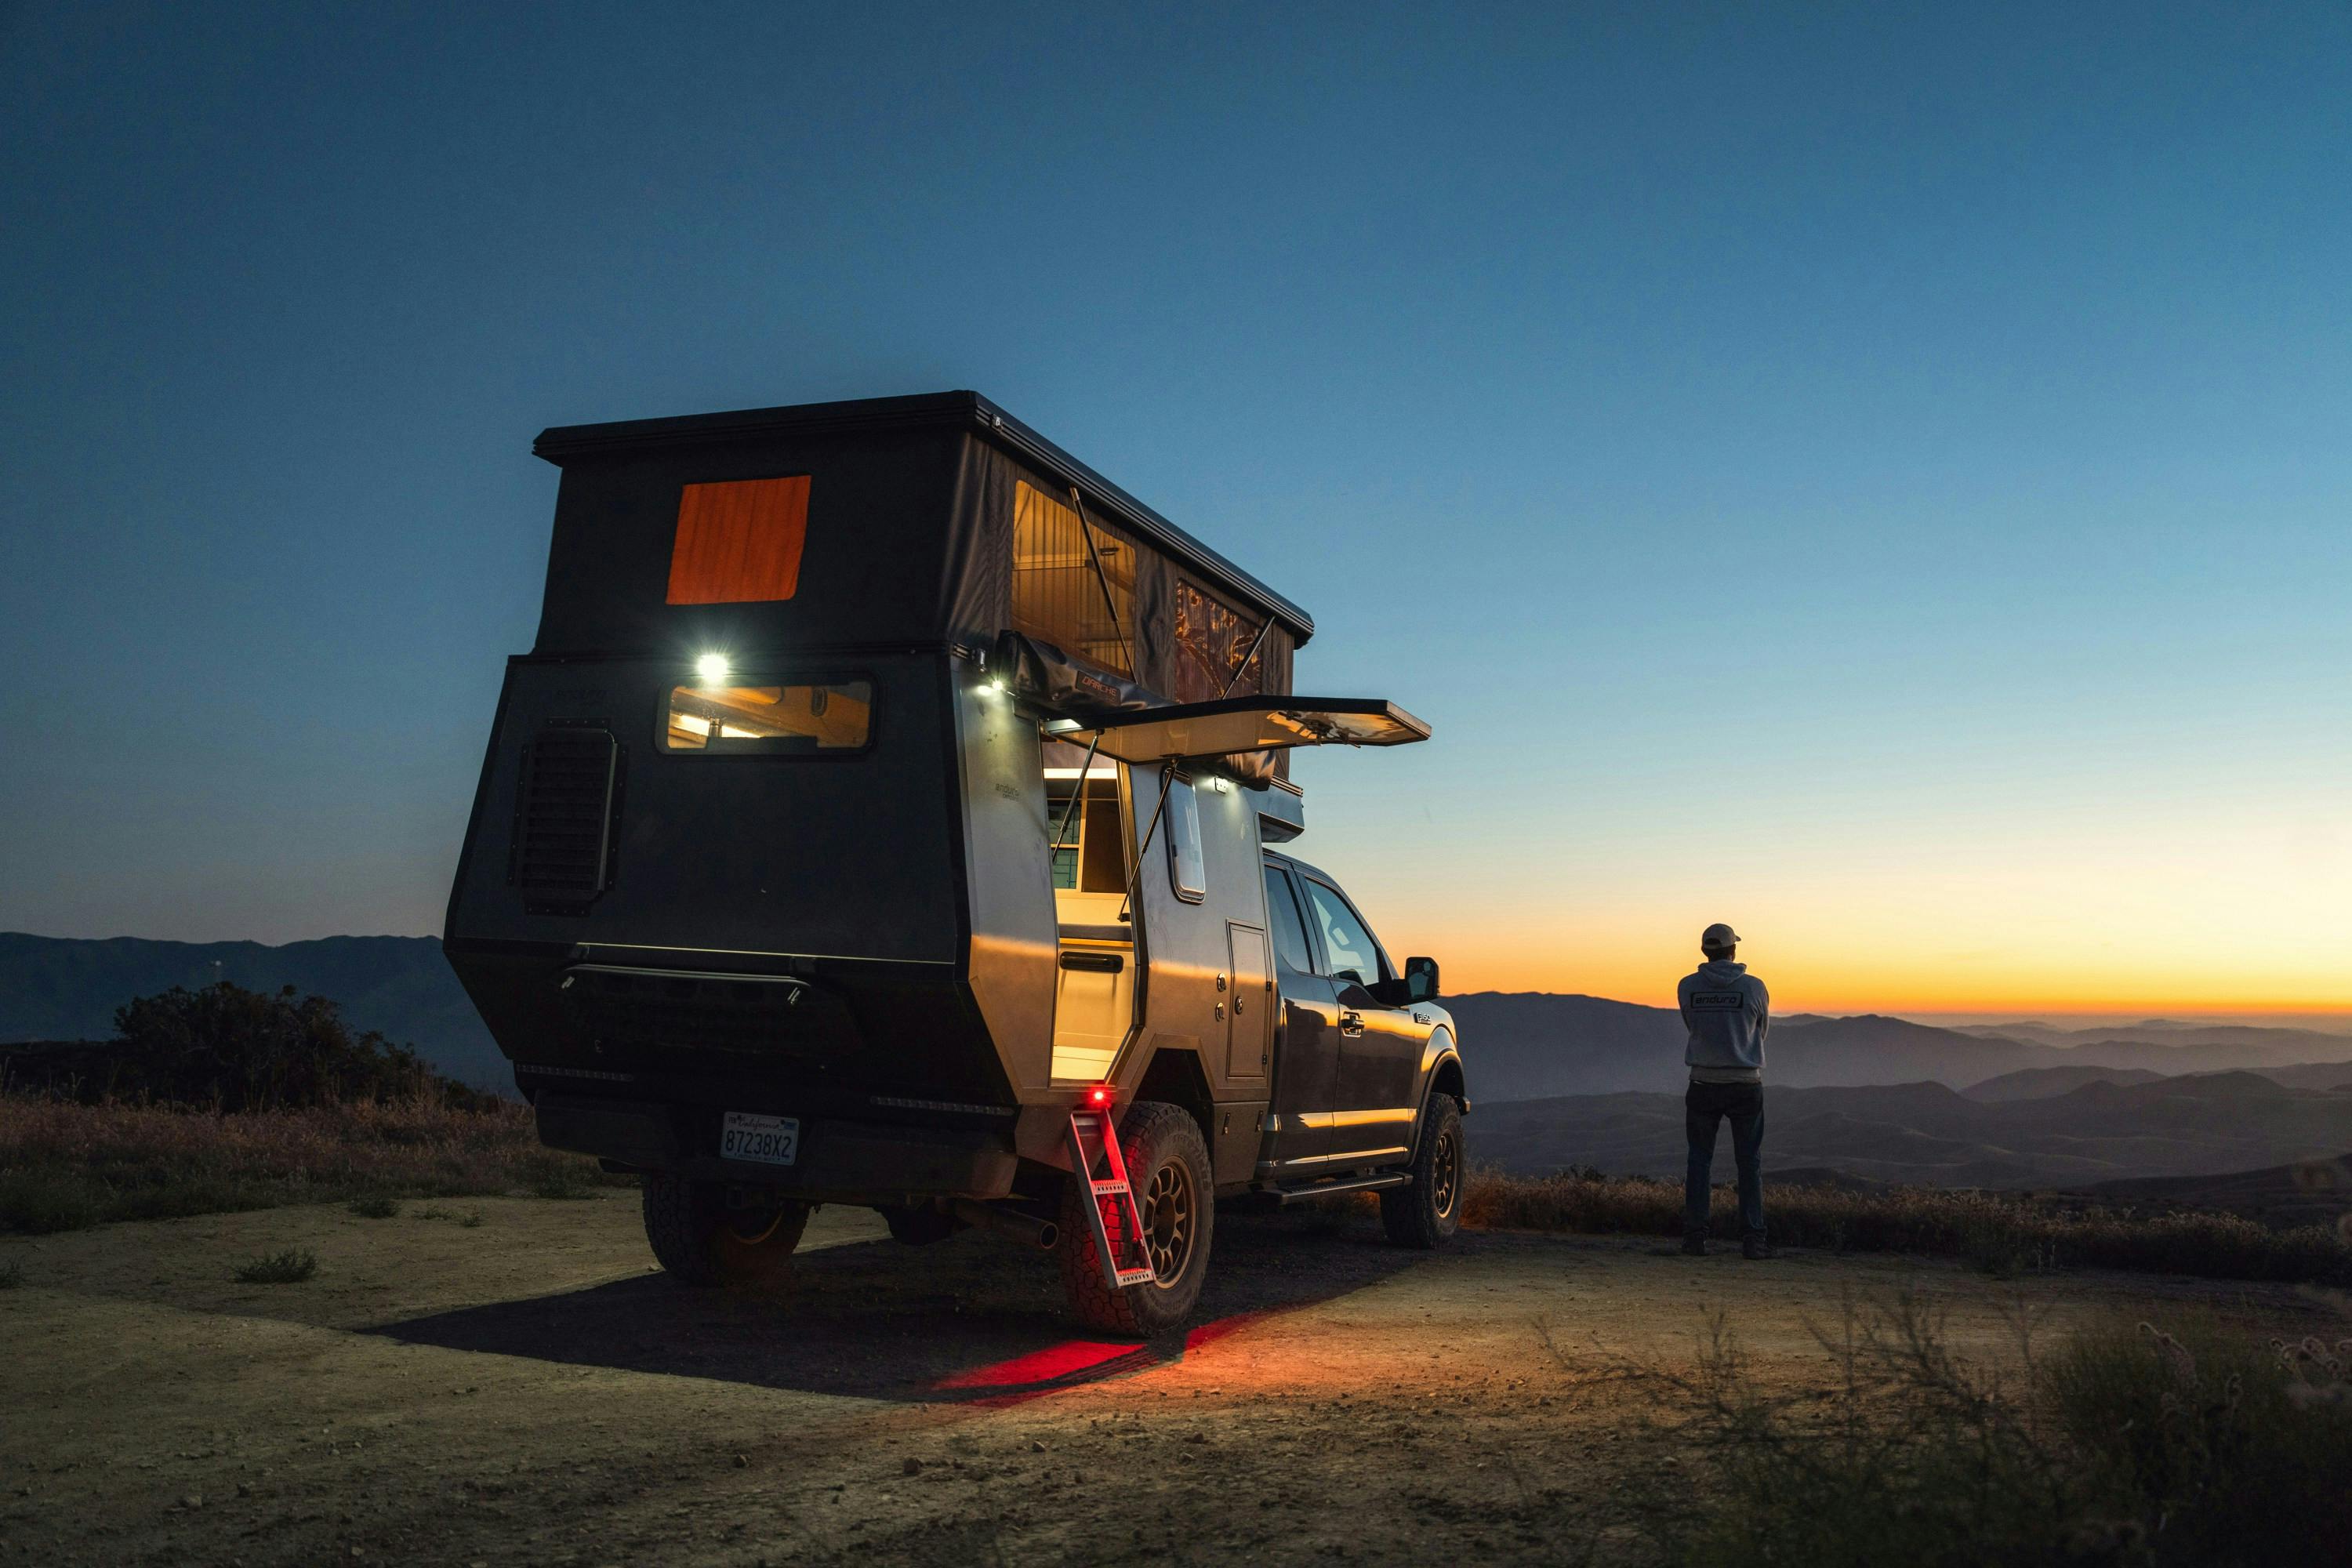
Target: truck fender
1440, 1072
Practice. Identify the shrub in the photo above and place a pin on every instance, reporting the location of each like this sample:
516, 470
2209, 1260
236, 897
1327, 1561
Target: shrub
11, 1276
377, 1207
291, 1267
2128, 1446
228, 1049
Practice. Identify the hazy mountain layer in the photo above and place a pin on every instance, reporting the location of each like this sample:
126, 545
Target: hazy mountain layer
1921, 1132
1531, 1044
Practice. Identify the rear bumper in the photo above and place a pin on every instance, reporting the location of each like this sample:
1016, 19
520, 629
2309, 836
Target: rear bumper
839, 1161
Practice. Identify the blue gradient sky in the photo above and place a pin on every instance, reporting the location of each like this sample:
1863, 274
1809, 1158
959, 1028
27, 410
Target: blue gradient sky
1878, 476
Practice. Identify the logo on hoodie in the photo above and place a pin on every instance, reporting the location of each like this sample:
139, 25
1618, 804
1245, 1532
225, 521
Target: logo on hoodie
1717, 1001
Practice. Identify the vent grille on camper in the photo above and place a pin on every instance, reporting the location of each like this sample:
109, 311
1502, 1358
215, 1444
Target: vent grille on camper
565, 815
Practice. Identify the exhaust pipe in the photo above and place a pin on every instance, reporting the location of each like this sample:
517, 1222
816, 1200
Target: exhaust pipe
1010, 1223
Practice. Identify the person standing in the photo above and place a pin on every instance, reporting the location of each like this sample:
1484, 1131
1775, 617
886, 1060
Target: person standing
1727, 1011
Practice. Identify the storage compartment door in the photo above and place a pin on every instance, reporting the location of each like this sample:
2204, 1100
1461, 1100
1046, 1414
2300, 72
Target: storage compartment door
1249, 1009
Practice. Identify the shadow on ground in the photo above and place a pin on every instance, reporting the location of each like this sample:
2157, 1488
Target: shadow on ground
968, 1319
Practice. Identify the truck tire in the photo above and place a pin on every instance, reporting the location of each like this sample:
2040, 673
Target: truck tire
1426, 1213
698, 1241
1167, 1161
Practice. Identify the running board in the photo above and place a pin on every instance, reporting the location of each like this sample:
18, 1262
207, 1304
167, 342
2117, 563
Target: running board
1379, 1182
1112, 1217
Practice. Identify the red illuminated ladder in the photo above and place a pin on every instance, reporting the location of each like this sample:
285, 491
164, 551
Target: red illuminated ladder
1111, 1214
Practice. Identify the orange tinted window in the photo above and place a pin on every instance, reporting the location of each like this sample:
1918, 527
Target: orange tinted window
738, 543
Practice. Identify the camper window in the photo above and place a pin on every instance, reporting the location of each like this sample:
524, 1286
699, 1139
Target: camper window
829, 716
1080, 599
1187, 871
1212, 641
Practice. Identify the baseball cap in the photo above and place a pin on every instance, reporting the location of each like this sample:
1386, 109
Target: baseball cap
1718, 935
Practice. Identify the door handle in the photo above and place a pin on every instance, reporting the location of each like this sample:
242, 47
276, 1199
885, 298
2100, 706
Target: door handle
1351, 1023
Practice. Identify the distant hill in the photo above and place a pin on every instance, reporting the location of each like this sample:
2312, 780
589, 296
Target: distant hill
1915, 1132
1534, 1044
1531, 1044
56, 988
2039, 1083
2306, 1193
2276, 1044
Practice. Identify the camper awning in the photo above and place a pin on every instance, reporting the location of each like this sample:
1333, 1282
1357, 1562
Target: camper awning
1246, 724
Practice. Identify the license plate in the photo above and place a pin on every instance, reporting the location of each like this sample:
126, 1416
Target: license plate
769, 1139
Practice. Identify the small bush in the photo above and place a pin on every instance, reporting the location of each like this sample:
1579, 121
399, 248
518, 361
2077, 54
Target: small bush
378, 1207
291, 1267
435, 1211
472, 1221
11, 1276
2127, 1446
227, 1048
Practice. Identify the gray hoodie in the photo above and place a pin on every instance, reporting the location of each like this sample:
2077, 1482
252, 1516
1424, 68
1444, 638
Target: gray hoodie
1726, 1012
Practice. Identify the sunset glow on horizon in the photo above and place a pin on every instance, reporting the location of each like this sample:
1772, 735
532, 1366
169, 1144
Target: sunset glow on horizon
1876, 477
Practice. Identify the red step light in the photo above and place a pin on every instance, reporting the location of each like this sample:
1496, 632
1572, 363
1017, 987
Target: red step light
1098, 1097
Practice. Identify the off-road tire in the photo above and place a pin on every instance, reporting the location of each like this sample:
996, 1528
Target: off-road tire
1162, 1143
698, 1242
1426, 1213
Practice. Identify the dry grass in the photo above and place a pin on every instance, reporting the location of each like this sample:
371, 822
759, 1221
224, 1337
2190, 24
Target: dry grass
65, 1167
2002, 1234
2125, 1446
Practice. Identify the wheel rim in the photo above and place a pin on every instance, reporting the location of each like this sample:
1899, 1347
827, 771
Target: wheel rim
1444, 1176
1171, 1216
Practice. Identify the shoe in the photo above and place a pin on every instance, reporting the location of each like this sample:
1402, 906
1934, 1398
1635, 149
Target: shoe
1755, 1248
1695, 1246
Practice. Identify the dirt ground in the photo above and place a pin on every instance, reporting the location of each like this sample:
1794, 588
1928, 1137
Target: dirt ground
528, 1390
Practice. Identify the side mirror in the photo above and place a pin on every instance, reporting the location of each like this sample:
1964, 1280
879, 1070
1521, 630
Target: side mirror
1421, 980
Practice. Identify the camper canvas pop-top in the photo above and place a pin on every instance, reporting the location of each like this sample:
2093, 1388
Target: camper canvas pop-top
884, 816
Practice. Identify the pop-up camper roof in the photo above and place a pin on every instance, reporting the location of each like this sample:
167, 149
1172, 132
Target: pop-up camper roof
891, 522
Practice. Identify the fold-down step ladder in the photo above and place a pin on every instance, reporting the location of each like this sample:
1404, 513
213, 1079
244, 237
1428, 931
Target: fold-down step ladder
1112, 1216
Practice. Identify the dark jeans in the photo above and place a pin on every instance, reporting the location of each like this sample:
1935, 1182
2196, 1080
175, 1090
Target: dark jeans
1743, 1105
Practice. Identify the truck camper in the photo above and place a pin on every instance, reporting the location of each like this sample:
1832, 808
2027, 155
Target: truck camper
888, 814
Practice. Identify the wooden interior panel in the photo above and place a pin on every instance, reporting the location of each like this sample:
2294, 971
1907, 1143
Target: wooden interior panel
740, 542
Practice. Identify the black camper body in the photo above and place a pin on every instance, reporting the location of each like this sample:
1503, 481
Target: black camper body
883, 781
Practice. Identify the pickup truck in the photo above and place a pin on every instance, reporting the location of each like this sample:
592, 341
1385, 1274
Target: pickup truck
888, 814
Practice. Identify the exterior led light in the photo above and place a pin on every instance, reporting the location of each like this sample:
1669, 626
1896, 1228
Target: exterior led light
712, 668
1098, 1097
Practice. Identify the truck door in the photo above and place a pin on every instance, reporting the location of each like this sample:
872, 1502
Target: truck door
1306, 1034
1380, 1045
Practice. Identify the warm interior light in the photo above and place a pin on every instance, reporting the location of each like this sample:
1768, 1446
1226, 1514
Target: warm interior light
712, 668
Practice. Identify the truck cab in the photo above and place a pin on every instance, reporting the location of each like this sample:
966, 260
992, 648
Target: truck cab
885, 814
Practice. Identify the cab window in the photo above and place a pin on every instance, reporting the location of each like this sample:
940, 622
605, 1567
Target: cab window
1349, 949
1281, 918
